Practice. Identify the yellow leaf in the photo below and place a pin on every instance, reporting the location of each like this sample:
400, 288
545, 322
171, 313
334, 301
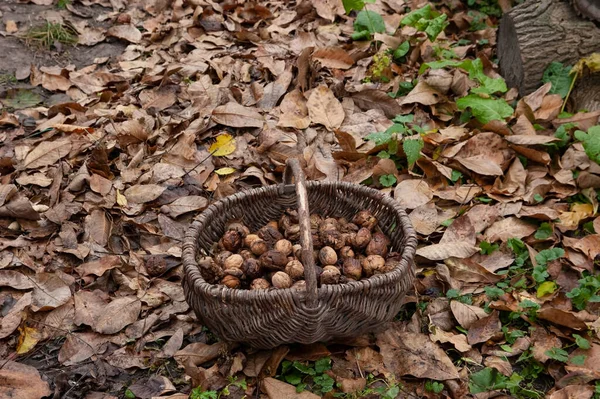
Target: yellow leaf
224, 171
592, 62
121, 199
578, 212
224, 145
27, 340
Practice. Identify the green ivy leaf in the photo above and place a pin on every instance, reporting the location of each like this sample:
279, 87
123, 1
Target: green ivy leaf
548, 255
485, 109
538, 198
558, 75
323, 365
436, 26
487, 248
544, 232
402, 50
591, 142
581, 342
413, 17
578, 360
350, 5
455, 175
493, 292
557, 354
540, 274
412, 149
369, 21
387, 180
546, 288
488, 379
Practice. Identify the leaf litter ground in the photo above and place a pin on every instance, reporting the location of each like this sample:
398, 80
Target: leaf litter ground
109, 148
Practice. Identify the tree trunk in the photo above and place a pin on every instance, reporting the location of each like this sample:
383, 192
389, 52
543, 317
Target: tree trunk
586, 94
535, 33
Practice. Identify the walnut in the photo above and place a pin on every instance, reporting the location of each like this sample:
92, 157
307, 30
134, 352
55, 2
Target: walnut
232, 240
372, 264
252, 268
378, 245
352, 268
273, 260
332, 238
330, 275
327, 256
295, 269
239, 227
233, 262
299, 285
231, 281
250, 238
259, 284
270, 234
346, 252
259, 247
284, 246
362, 238
281, 280
365, 219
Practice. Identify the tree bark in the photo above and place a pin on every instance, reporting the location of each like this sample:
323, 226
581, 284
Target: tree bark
586, 94
535, 33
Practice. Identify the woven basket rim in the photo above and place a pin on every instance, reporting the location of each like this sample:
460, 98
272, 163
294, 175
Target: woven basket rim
241, 297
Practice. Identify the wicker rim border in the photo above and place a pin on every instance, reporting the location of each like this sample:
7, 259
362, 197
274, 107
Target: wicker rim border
246, 297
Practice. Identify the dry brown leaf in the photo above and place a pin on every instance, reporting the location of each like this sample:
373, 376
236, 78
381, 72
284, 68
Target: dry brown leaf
117, 315
531, 139
458, 340
16, 280
22, 381
465, 314
98, 267
236, 115
543, 341
98, 227
377, 99
511, 227
499, 363
328, 9
480, 164
573, 392
125, 32
276, 389
80, 346
47, 153
484, 328
199, 353
406, 353
183, 205
592, 358
142, 193
333, 57
51, 291
423, 94
324, 108
294, 112
159, 99
562, 318
427, 218
448, 250
468, 271
412, 193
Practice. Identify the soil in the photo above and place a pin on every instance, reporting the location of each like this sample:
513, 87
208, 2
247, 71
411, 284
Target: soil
28, 15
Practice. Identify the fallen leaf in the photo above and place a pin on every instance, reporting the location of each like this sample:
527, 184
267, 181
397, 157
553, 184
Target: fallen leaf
406, 353
98, 267
47, 153
50, 292
324, 108
117, 315
276, 389
333, 57
236, 115
142, 193
466, 315
125, 32
511, 227
22, 381
485, 328
562, 318
573, 392
376, 99
412, 193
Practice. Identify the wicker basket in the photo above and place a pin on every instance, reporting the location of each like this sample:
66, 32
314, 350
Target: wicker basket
268, 318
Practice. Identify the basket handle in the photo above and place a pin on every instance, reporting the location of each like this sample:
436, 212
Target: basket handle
294, 170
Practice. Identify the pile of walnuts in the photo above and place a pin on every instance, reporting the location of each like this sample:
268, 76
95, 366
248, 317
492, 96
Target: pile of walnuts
270, 257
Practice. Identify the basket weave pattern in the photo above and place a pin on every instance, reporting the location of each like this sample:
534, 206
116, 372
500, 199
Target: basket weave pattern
267, 318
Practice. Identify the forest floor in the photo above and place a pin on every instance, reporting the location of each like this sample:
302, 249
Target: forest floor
121, 120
